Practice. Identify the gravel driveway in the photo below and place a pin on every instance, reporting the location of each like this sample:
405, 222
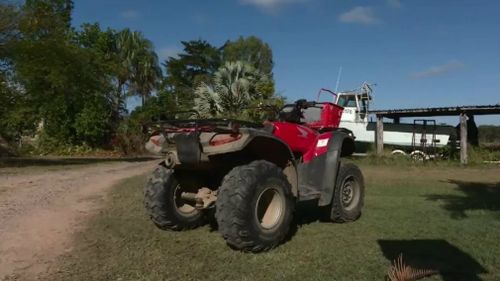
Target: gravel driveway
42, 208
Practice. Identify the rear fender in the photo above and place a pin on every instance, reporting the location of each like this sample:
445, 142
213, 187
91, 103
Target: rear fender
251, 145
274, 150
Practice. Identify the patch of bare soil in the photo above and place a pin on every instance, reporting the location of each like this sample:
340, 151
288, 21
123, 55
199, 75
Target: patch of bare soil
40, 211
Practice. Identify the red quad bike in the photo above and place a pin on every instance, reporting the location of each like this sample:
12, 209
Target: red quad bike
253, 174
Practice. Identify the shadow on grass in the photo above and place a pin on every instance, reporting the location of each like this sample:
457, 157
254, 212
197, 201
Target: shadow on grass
51, 161
477, 196
451, 262
307, 212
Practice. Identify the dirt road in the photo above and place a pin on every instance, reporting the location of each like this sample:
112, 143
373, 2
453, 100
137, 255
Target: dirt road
42, 209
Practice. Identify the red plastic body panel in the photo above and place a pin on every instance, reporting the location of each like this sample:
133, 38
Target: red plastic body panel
301, 139
305, 139
320, 147
330, 117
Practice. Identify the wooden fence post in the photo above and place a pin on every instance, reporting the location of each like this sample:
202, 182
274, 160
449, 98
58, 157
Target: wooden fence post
463, 139
379, 135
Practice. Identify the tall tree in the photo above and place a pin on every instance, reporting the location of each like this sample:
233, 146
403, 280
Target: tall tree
62, 81
9, 98
46, 18
255, 52
146, 71
196, 64
139, 63
9, 29
251, 50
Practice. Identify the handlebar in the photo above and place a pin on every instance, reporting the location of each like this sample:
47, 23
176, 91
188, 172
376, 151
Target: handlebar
303, 104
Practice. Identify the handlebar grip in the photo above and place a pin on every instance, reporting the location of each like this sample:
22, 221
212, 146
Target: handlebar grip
311, 104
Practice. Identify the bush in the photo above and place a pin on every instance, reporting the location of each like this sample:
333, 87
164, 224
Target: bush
478, 155
92, 124
129, 138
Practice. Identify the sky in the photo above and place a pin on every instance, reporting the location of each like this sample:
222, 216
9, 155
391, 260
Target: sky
420, 53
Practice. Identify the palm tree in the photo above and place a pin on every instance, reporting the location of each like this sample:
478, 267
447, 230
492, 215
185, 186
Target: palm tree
140, 68
146, 71
233, 88
207, 101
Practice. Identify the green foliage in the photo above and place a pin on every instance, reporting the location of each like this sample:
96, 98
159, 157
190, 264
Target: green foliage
489, 134
61, 78
9, 29
46, 18
129, 138
235, 88
251, 50
195, 65
198, 63
140, 64
75, 81
89, 125
479, 155
59, 82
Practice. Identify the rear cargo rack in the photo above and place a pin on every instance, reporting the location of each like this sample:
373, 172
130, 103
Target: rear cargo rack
203, 125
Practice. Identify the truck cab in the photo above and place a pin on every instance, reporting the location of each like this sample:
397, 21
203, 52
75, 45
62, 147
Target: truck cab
356, 104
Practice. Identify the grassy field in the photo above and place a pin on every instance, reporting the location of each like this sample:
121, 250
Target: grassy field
443, 218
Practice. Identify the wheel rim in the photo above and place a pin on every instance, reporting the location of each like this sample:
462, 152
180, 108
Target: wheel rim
183, 207
269, 208
350, 194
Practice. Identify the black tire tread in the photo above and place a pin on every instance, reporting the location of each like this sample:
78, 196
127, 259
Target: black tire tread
158, 208
236, 188
337, 213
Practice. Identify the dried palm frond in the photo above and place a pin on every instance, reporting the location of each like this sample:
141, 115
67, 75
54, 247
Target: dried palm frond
399, 271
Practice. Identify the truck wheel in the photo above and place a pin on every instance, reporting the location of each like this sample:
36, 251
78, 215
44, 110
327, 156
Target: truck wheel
164, 205
349, 193
255, 206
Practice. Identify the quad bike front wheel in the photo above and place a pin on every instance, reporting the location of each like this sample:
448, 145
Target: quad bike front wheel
164, 205
255, 206
349, 193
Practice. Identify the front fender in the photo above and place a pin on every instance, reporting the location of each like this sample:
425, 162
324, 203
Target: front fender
317, 177
340, 144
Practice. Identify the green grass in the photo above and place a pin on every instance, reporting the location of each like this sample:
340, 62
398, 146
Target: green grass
450, 226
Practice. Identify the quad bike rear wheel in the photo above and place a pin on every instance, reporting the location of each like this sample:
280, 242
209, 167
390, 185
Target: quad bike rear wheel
255, 206
349, 193
164, 205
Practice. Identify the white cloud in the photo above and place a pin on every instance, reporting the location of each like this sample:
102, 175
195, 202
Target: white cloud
359, 15
439, 69
270, 5
166, 52
394, 3
130, 14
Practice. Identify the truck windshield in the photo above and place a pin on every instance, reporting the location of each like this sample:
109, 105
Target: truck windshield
347, 101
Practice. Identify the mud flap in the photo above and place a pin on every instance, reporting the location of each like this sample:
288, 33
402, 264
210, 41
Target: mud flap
188, 148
